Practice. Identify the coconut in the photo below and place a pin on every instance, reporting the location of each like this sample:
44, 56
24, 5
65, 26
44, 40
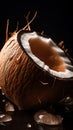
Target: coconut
34, 70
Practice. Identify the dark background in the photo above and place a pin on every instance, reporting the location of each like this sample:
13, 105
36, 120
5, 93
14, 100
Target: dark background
54, 17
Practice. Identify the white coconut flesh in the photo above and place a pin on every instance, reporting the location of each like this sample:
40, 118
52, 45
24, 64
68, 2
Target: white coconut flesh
47, 54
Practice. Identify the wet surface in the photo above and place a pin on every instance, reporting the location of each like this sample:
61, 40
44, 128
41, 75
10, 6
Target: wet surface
11, 118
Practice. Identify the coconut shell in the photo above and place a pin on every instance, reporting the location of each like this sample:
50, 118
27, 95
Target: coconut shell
26, 84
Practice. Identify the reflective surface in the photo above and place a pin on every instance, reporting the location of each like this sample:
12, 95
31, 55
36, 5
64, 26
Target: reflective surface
11, 118
25, 121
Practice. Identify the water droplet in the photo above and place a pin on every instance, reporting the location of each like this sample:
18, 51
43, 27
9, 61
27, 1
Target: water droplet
47, 118
3, 100
3, 93
5, 118
29, 125
67, 101
9, 107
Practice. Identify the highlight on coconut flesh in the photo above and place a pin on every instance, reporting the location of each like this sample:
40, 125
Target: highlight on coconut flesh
34, 70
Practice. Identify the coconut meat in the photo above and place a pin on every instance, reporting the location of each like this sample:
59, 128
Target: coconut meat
46, 54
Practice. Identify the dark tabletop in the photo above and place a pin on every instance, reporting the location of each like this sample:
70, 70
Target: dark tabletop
24, 120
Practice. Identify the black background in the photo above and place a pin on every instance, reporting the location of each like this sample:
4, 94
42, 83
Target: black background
54, 17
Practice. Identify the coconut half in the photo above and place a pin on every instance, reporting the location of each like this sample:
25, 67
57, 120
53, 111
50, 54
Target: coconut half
46, 54
34, 71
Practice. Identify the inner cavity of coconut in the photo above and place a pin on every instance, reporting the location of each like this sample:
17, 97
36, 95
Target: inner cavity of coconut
45, 53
